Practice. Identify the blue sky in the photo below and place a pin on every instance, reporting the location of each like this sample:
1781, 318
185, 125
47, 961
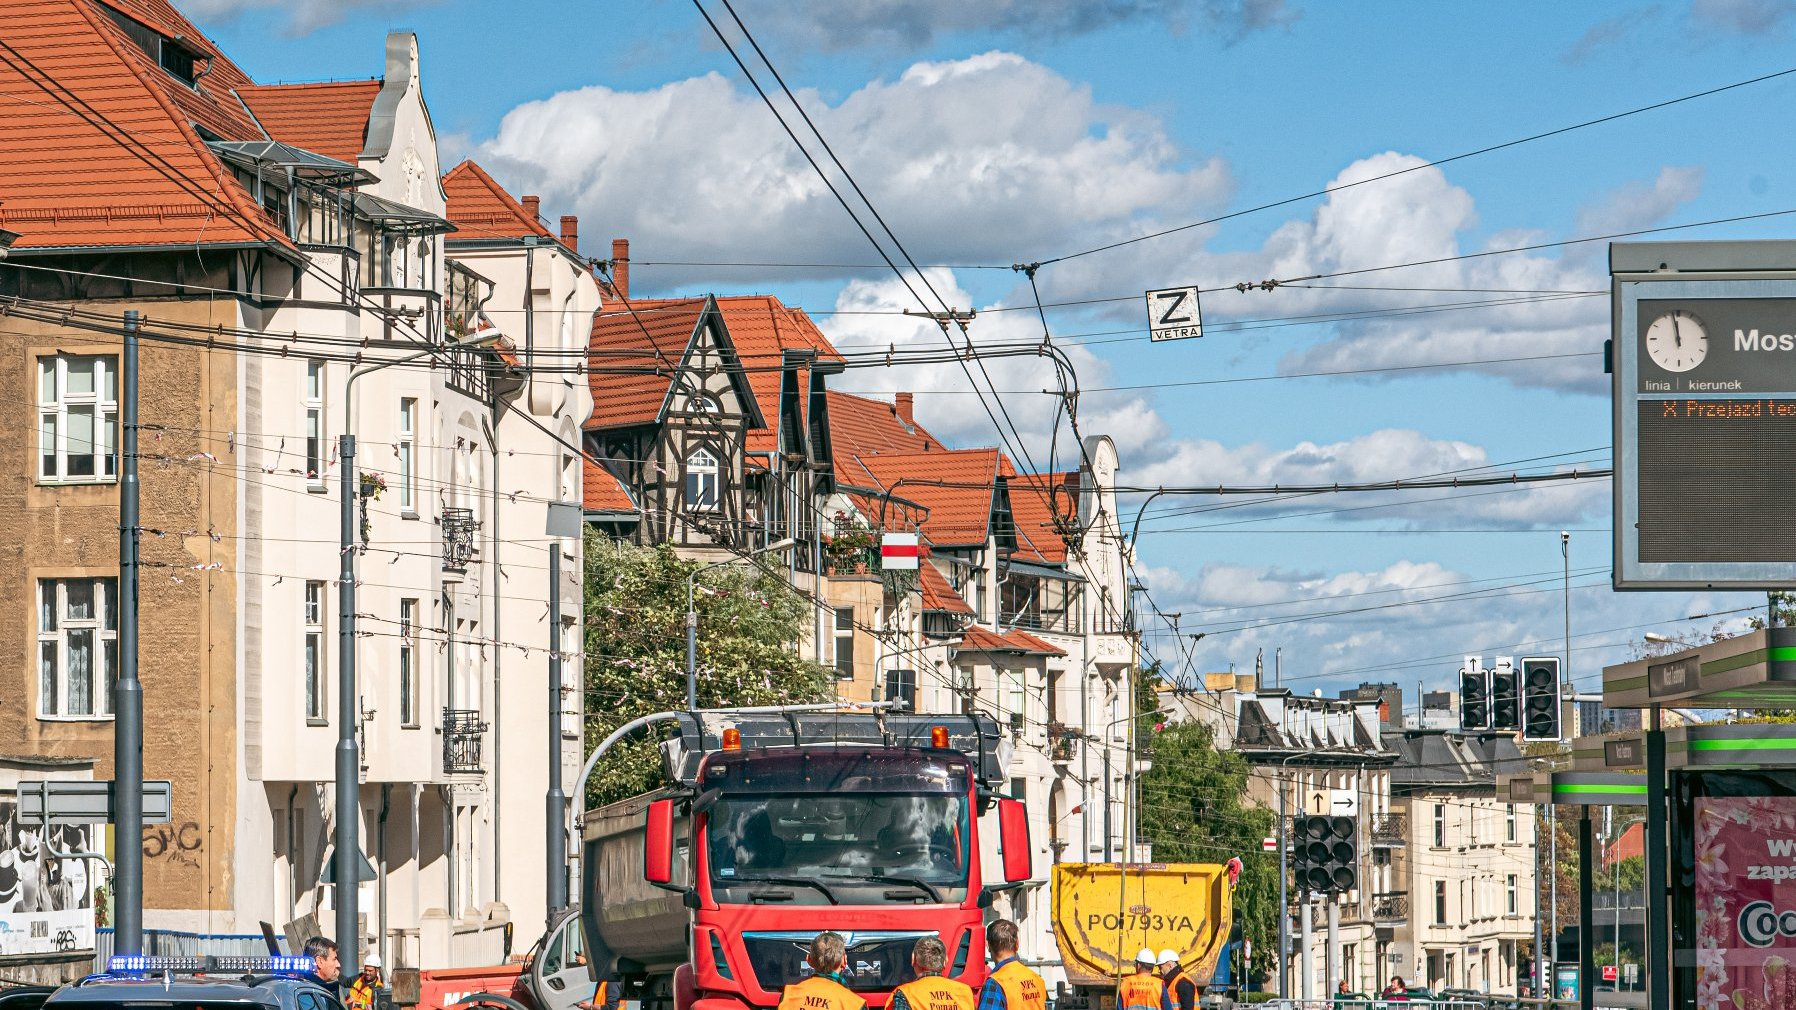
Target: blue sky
994, 132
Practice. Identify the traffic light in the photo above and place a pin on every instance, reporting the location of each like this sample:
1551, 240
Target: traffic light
1474, 695
1325, 859
1540, 698
1505, 697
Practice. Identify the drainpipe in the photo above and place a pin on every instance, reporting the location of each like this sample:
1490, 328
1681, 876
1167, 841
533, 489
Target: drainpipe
292, 858
386, 805
490, 579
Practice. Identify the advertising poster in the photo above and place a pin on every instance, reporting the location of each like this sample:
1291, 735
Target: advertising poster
46, 904
1745, 902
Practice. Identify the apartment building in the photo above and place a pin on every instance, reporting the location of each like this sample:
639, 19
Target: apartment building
1465, 868
277, 240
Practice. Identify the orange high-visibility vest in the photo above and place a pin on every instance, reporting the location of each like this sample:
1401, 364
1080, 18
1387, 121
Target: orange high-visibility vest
933, 992
1170, 998
1023, 988
819, 993
1139, 992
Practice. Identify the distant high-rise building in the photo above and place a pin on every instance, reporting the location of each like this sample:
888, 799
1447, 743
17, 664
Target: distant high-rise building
1594, 719
1388, 696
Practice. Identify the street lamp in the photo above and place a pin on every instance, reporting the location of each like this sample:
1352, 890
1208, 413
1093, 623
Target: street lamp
692, 614
345, 864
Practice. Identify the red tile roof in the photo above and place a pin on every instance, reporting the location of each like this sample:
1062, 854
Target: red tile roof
977, 639
601, 491
127, 169
1038, 536
859, 426
328, 118
644, 336
938, 592
763, 329
481, 208
955, 485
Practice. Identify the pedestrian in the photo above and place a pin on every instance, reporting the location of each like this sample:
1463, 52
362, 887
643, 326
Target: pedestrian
365, 990
1141, 991
604, 994
327, 967
1012, 985
825, 989
1342, 994
1179, 991
1397, 992
930, 990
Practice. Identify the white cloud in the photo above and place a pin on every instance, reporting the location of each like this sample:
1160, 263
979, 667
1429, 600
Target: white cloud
302, 16
910, 25
969, 159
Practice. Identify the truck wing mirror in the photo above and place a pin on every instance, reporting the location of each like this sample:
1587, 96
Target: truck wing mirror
658, 845
1013, 840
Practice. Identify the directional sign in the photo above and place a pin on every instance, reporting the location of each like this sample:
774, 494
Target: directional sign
87, 802
1269, 843
1173, 314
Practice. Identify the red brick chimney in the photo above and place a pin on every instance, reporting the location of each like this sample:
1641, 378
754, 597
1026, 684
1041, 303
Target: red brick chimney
533, 206
904, 402
570, 232
620, 266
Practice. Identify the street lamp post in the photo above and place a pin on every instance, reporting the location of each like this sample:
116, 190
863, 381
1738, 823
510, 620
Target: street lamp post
345, 866
692, 614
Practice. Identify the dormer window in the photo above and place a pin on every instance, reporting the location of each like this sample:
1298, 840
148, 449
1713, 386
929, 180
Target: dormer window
167, 53
703, 403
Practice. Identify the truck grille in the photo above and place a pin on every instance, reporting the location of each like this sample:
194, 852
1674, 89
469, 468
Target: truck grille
876, 961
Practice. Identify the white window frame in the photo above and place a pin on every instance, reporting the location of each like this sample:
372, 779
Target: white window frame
1440, 903
697, 472
408, 457
315, 436
1440, 825
314, 659
842, 642
1509, 822
1512, 885
54, 628
409, 681
54, 404
1015, 694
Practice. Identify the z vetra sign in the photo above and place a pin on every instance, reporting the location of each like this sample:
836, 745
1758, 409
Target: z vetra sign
1173, 314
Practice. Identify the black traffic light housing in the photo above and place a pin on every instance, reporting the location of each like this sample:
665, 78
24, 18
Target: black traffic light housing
1505, 699
1325, 858
1540, 698
1474, 695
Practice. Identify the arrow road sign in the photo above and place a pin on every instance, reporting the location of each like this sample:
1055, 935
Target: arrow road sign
1173, 314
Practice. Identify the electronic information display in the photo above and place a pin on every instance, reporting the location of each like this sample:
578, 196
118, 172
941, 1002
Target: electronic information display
1705, 426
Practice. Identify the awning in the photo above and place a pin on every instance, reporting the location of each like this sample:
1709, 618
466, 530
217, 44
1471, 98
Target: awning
274, 156
1040, 571
399, 217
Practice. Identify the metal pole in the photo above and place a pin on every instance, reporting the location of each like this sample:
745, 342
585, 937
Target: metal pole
1539, 984
691, 651
1614, 878
556, 801
1109, 850
1553, 875
1305, 967
1658, 816
1587, 919
345, 867
1284, 893
1334, 973
127, 738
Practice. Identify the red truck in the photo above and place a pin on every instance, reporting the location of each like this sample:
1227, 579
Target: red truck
704, 895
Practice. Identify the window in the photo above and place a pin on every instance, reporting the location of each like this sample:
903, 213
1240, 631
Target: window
408, 455
901, 687
1015, 703
701, 480
1509, 823
844, 643
315, 423
968, 690
408, 663
1471, 821
1440, 826
1440, 903
77, 647
703, 403
77, 415
564, 483
1510, 890
314, 651
1019, 789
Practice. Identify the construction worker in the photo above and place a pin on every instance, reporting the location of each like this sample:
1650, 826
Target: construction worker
825, 989
930, 990
1011, 984
1142, 990
365, 990
1180, 992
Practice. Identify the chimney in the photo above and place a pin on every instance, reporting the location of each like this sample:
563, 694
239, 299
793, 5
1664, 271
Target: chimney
620, 267
904, 402
533, 207
570, 232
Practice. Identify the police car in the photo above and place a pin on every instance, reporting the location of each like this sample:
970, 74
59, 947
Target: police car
145, 982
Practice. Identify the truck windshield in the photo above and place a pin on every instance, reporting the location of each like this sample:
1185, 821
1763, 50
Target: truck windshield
887, 841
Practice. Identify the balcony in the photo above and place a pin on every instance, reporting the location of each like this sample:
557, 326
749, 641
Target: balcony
1062, 743
1389, 831
460, 540
462, 734
1390, 909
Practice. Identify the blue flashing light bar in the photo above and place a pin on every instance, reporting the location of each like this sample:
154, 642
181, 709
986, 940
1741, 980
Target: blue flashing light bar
280, 964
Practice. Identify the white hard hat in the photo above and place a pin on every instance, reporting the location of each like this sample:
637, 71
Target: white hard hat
1169, 956
371, 961
1144, 956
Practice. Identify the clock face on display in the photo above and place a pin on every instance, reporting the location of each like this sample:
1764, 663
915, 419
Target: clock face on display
1677, 341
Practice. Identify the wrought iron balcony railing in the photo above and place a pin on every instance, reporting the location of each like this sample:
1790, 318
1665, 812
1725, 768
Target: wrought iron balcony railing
1393, 907
1389, 830
460, 539
463, 732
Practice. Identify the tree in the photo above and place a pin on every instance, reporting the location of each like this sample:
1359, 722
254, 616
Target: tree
1630, 871
1192, 811
636, 650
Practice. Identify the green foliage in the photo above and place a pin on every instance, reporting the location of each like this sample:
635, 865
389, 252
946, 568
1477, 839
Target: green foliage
636, 650
1631, 871
1192, 811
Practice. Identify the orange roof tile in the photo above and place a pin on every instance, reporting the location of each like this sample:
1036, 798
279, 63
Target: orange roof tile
859, 426
955, 485
763, 329
1038, 534
481, 208
978, 639
1033, 644
645, 335
327, 117
938, 592
128, 169
601, 491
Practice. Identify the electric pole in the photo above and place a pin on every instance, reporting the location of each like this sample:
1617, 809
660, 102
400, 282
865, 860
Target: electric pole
127, 730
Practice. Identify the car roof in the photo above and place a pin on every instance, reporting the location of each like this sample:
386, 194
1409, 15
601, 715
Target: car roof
256, 990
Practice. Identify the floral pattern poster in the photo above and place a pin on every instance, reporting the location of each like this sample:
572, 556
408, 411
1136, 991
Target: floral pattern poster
1745, 903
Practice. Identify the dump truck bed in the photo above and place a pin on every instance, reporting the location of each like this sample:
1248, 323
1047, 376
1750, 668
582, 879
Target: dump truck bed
1105, 912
